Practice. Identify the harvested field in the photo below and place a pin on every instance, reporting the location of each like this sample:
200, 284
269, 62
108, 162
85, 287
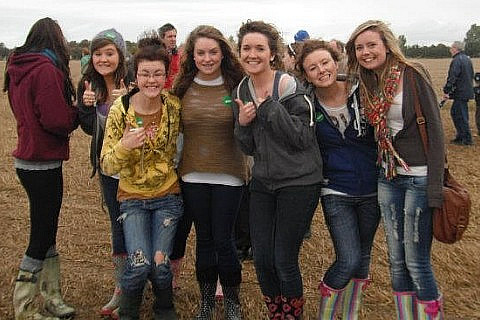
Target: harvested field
84, 238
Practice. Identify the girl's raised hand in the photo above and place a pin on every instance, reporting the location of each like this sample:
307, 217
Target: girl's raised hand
247, 112
119, 92
88, 95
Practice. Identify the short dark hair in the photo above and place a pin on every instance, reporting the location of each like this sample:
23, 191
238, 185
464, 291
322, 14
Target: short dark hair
164, 29
151, 53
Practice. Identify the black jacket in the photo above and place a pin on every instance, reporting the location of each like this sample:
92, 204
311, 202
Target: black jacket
460, 78
92, 123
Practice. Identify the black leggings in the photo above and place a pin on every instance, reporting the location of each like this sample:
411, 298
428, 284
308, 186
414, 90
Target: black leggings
45, 190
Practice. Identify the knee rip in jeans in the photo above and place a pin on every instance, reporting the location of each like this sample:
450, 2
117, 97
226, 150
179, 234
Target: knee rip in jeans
167, 222
138, 258
160, 258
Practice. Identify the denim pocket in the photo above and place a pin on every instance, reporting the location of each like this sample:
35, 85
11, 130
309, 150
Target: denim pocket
420, 182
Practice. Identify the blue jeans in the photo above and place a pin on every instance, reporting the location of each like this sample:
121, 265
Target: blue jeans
278, 222
109, 188
149, 227
408, 227
459, 113
214, 209
352, 223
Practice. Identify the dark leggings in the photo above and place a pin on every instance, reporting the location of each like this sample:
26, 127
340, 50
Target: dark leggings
214, 209
109, 187
44, 190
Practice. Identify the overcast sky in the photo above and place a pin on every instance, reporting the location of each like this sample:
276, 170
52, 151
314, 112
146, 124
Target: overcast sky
423, 22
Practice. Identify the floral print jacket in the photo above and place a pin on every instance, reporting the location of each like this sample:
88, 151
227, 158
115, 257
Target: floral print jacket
146, 172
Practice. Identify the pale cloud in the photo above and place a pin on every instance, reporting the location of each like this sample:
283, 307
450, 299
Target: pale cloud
421, 21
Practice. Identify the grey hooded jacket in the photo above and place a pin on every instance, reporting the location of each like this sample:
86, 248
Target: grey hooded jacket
281, 138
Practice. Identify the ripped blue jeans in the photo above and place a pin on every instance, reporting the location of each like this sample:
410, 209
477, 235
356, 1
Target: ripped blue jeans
408, 228
149, 227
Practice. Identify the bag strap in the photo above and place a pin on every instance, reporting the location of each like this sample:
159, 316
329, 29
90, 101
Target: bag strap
420, 118
418, 111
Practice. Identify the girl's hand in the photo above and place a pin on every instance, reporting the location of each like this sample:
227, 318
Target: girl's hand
88, 95
133, 137
247, 112
119, 92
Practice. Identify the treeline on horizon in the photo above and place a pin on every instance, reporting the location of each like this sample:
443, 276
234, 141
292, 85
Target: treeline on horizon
472, 47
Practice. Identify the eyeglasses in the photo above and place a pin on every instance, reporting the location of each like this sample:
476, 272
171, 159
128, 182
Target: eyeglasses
156, 75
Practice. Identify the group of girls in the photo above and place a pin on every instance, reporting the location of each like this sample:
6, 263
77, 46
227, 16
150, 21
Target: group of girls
352, 144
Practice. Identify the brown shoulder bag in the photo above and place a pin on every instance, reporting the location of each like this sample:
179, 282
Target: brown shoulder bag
451, 220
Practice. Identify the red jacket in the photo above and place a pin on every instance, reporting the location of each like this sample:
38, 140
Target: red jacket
173, 69
44, 119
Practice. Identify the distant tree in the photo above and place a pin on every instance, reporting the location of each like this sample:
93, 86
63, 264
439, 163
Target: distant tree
75, 50
402, 43
84, 44
131, 47
415, 51
472, 41
441, 51
4, 51
232, 41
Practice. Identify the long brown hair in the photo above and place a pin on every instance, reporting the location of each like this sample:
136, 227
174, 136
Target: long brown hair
231, 68
369, 82
47, 34
96, 78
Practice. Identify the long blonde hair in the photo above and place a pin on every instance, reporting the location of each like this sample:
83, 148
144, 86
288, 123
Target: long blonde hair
369, 81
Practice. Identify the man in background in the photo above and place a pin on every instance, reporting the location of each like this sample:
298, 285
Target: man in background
168, 34
339, 47
459, 87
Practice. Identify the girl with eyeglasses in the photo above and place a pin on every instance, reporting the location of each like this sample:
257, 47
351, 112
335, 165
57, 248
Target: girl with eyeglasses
139, 146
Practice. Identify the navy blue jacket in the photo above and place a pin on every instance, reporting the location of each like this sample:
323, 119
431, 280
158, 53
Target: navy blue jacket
349, 163
460, 78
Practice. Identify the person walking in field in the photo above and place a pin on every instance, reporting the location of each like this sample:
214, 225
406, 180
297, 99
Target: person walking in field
459, 87
105, 80
41, 95
411, 178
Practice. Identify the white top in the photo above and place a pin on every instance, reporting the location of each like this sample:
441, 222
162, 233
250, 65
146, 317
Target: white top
339, 116
395, 124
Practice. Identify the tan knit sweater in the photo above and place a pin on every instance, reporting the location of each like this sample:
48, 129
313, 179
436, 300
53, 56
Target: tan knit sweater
209, 144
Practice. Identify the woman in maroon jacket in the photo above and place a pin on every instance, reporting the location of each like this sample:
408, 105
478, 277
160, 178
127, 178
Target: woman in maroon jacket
41, 95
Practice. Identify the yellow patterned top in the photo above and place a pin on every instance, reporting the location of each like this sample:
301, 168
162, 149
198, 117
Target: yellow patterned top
146, 172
